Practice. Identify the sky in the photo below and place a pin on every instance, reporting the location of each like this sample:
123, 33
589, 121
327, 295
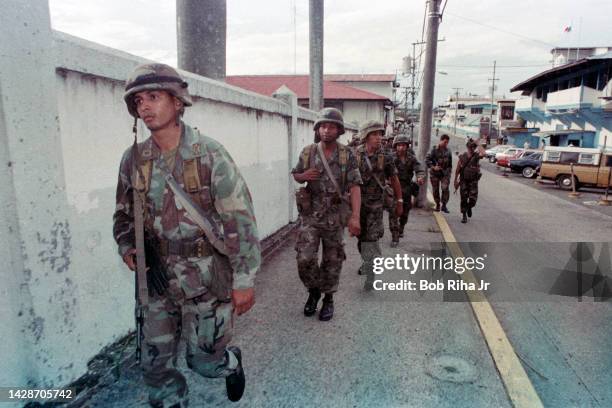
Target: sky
360, 36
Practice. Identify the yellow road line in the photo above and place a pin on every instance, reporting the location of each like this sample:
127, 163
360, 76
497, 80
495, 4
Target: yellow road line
518, 386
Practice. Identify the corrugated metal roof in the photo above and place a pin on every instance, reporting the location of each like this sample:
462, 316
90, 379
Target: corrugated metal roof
300, 84
360, 77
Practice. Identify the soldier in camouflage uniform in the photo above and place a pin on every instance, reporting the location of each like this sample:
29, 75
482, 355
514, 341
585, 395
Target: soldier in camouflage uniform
321, 214
467, 175
407, 165
205, 287
375, 167
440, 163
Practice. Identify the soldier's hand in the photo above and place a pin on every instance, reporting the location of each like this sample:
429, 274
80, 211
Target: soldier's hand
243, 300
420, 181
311, 175
354, 226
399, 209
130, 259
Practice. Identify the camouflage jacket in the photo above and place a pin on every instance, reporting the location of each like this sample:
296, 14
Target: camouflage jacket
325, 213
440, 157
406, 169
220, 191
383, 168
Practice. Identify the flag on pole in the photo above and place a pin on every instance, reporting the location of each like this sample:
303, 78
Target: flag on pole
567, 29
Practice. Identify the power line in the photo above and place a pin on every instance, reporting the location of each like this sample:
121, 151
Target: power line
503, 31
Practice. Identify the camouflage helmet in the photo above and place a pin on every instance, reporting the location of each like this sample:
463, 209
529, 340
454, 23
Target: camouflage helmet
401, 138
369, 127
155, 77
471, 144
331, 115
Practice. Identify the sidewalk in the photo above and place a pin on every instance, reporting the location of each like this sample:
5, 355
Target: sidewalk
378, 350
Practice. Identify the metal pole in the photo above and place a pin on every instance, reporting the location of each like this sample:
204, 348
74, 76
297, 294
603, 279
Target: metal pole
316, 55
201, 27
429, 79
492, 97
456, 108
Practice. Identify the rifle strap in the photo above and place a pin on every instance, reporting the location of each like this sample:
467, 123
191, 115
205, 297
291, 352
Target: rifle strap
142, 290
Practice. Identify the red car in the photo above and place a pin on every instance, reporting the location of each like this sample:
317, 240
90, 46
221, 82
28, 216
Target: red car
503, 159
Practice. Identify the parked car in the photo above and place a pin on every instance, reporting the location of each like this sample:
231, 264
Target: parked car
490, 153
527, 164
503, 158
592, 167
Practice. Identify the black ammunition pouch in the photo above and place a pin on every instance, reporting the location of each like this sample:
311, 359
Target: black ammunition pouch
157, 276
303, 200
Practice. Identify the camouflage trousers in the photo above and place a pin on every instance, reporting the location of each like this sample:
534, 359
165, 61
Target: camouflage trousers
372, 230
443, 183
324, 276
397, 224
204, 322
469, 194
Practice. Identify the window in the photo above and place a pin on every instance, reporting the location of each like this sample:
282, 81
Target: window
476, 111
494, 112
608, 161
553, 156
507, 112
586, 158
460, 106
569, 157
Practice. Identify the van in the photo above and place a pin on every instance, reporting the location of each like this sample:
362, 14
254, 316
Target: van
591, 166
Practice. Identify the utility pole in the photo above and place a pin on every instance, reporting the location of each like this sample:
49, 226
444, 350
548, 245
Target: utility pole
492, 97
456, 108
201, 27
316, 55
429, 79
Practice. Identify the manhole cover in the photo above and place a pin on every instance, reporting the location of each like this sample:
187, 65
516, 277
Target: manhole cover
453, 369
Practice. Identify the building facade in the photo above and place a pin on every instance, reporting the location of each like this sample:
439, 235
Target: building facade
570, 104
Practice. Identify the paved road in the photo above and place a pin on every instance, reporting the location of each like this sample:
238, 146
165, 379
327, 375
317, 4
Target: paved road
566, 345
404, 350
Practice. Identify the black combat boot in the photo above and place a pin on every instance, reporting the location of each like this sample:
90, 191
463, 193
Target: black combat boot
464, 219
311, 304
469, 212
234, 383
327, 310
444, 209
437, 207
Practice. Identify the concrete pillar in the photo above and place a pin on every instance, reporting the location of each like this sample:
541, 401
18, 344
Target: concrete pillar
316, 55
201, 27
290, 98
35, 240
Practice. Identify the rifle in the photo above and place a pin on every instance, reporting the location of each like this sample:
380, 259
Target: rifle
141, 287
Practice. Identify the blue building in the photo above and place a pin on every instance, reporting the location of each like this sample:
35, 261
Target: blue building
568, 105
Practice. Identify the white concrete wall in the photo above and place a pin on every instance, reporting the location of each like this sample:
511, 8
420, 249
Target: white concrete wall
65, 292
361, 111
379, 88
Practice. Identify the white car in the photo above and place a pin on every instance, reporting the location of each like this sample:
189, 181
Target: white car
490, 153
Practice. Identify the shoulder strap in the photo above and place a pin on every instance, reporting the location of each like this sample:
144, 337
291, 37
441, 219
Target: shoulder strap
308, 156
343, 156
327, 169
372, 170
381, 161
